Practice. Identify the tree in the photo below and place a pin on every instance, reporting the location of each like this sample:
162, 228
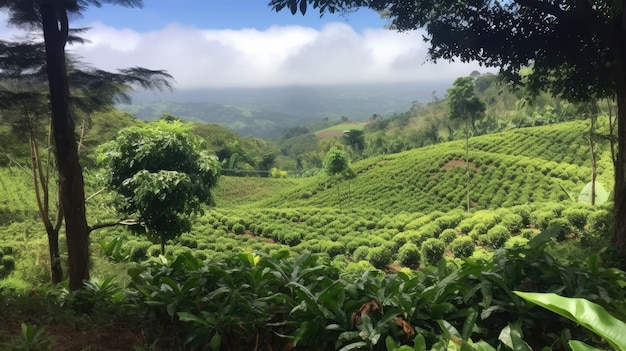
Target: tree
162, 175
467, 107
577, 48
24, 106
50, 17
355, 139
337, 165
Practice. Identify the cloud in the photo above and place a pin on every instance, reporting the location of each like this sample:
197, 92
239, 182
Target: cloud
276, 56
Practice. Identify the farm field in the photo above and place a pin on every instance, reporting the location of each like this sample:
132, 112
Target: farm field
519, 181
337, 130
396, 234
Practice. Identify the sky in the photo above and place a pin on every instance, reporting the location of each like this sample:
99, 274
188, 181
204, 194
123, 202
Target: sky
243, 43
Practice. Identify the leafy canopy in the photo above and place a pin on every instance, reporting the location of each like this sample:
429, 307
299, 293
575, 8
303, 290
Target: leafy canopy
463, 102
162, 174
337, 163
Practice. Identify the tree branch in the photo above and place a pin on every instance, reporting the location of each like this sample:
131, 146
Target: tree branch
127, 222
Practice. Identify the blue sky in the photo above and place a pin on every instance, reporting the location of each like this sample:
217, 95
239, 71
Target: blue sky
221, 14
243, 43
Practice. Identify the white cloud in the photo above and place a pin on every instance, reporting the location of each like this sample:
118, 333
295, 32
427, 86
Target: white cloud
277, 56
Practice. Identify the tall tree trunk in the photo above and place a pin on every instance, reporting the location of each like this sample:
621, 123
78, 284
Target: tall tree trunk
467, 165
620, 171
619, 235
71, 186
594, 167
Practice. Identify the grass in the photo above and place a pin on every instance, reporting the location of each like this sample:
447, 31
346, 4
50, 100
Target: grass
337, 130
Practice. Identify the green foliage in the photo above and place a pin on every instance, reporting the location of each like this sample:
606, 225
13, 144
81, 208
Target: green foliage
576, 217
497, 236
463, 102
161, 175
7, 261
96, 297
32, 338
115, 250
448, 236
409, 255
336, 162
361, 253
585, 313
601, 223
563, 225
462, 246
380, 256
238, 228
432, 251
513, 222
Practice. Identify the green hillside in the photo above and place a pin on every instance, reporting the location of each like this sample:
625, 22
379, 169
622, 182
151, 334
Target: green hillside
518, 183
512, 168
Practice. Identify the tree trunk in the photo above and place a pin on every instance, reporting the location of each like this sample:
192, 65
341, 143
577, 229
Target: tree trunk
71, 186
56, 272
43, 205
467, 165
619, 235
620, 171
594, 167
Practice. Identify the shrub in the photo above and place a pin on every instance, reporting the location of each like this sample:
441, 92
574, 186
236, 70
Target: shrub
431, 230
576, 217
447, 236
339, 262
409, 255
449, 221
542, 219
139, 251
360, 253
497, 236
355, 270
529, 233
379, 257
513, 222
480, 228
462, 246
400, 238
467, 225
516, 241
564, 228
601, 223
153, 250
189, 241
415, 237
333, 248
524, 211
432, 251
291, 239
238, 228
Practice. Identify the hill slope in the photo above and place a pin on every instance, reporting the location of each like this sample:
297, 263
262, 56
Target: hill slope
512, 168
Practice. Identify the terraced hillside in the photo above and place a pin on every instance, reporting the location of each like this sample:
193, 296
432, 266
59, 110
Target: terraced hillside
17, 200
400, 209
518, 167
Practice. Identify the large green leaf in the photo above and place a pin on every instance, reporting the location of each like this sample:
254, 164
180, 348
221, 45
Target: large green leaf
585, 313
581, 346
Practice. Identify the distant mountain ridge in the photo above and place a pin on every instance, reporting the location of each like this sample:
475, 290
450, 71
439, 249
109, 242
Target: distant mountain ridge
264, 112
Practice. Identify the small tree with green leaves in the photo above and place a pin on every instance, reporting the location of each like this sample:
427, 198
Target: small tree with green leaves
467, 107
337, 165
162, 175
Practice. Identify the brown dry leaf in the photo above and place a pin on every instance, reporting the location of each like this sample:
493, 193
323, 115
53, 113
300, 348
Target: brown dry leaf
406, 327
366, 309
